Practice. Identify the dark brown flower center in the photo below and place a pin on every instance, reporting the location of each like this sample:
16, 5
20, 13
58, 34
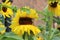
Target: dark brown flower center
8, 1
25, 21
4, 9
54, 4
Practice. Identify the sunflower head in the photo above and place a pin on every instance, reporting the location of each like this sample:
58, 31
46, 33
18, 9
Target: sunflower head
23, 21
25, 16
6, 12
7, 2
53, 4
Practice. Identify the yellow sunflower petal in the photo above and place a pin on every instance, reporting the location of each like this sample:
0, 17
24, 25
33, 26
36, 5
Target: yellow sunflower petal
26, 28
2, 26
6, 1
40, 38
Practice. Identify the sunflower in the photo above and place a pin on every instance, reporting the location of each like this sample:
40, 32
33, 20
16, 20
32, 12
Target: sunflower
7, 2
54, 7
23, 23
6, 12
2, 28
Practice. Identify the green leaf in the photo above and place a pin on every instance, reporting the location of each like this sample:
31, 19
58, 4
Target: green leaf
26, 10
12, 35
0, 6
1, 36
14, 9
30, 37
5, 38
56, 38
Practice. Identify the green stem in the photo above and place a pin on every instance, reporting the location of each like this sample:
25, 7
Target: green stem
52, 34
26, 36
50, 21
1, 36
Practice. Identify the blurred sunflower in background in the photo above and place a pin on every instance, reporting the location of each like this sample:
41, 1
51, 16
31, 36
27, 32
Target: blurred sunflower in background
2, 28
54, 7
6, 11
7, 2
23, 22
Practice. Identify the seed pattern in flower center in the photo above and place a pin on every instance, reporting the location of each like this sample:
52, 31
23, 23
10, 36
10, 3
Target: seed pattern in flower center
25, 21
4, 9
53, 4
